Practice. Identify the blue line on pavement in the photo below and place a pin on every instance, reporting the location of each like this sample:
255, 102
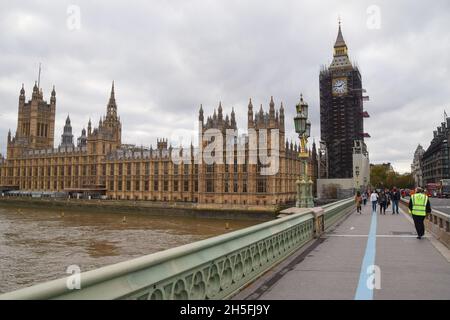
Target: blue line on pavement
363, 292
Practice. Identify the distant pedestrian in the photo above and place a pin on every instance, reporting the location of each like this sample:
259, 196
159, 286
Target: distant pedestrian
419, 206
364, 198
358, 201
395, 196
374, 200
382, 201
388, 198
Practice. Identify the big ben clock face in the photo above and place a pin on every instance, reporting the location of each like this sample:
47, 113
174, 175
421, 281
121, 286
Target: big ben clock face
339, 86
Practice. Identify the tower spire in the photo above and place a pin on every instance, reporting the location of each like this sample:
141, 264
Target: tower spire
220, 112
250, 122
271, 107
340, 42
233, 118
200, 114
340, 59
67, 136
22, 94
112, 106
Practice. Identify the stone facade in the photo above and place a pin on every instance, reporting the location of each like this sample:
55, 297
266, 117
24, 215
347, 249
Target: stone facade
101, 165
416, 166
435, 160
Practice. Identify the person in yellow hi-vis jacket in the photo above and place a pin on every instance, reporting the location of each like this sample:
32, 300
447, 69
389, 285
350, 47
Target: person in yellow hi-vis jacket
419, 206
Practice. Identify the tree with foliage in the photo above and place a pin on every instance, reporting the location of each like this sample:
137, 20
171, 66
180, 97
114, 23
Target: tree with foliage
381, 177
378, 176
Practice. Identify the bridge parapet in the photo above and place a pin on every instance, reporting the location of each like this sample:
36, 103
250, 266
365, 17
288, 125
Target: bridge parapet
214, 268
437, 223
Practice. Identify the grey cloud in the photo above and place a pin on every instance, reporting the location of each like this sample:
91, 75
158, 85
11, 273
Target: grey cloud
167, 58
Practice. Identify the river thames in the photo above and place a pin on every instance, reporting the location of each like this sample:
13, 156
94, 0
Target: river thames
38, 245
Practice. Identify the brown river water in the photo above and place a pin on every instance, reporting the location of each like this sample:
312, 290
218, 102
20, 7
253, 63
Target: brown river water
38, 245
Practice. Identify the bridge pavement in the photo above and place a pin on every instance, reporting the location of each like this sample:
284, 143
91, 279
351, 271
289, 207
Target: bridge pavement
335, 266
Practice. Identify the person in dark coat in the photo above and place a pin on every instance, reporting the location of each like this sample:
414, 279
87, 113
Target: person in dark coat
382, 201
395, 197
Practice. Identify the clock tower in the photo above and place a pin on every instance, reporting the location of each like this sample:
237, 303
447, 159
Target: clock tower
341, 110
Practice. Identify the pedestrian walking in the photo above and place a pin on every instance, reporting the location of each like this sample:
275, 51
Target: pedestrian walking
364, 198
388, 198
382, 201
358, 202
395, 196
374, 200
419, 206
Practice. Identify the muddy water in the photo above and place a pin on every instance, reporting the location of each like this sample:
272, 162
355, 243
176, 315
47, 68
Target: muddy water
38, 245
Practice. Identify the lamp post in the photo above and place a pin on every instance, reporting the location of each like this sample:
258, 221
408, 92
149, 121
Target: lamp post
304, 183
358, 185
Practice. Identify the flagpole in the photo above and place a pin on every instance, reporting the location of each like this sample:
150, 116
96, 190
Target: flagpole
39, 76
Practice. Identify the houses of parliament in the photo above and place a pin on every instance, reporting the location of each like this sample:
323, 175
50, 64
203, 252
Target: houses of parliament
98, 163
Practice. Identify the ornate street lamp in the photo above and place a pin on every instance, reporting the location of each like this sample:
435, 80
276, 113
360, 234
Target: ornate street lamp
358, 185
304, 183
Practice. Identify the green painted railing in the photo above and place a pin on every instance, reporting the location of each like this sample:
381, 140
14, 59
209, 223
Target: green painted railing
214, 268
335, 211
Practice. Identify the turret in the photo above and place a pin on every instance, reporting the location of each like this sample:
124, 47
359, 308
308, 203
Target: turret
53, 97
271, 113
282, 117
233, 119
67, 136
261, 117
82, 140
89, 127
250, 122
200, 114
35, 94
111, 113
220, 116
22, 95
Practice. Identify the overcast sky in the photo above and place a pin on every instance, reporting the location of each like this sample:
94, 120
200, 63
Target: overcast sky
168, 57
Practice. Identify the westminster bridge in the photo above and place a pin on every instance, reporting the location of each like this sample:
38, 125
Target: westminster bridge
330, 252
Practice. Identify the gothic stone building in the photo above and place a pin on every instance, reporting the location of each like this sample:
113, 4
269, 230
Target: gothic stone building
99, 164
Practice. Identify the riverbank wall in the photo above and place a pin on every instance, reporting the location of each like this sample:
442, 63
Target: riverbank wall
148, 207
